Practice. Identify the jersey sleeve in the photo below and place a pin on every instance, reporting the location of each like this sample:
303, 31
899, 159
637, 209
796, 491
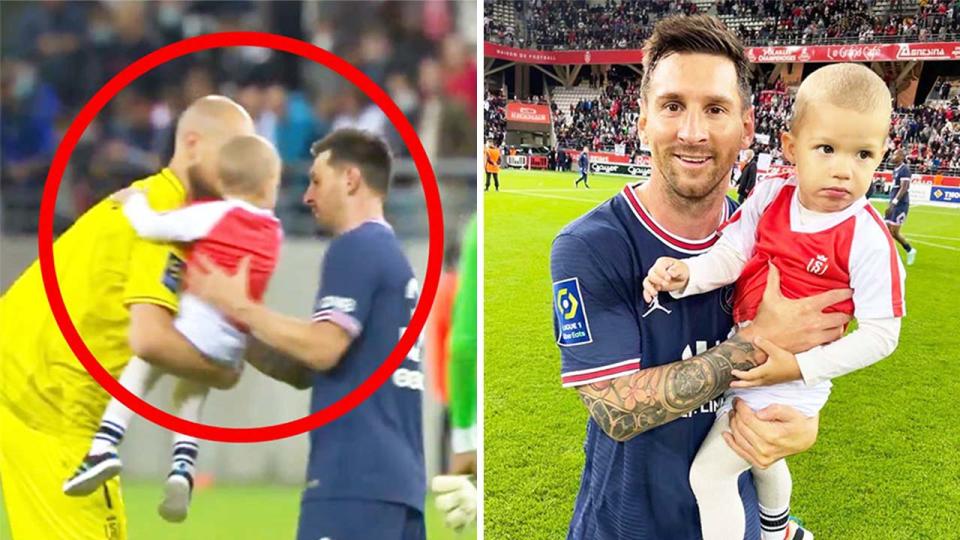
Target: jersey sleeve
872, 341
155, 269
180, 225
740, 230
349, 277
463, 349
594, 316
877, 276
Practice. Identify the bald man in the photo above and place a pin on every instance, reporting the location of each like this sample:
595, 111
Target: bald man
121, 293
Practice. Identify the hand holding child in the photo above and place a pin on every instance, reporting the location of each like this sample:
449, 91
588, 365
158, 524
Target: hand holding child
781, 366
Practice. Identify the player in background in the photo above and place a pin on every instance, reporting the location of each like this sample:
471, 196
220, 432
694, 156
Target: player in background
492, 164
899, 206
365, 474
456, 494
820, 232
121, 291
241, 225
584, 163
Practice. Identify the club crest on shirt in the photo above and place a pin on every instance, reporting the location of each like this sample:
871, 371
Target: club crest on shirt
572, 325
726, 299
818, 265
173, 273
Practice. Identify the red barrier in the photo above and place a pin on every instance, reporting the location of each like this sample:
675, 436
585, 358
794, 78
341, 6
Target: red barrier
857, 52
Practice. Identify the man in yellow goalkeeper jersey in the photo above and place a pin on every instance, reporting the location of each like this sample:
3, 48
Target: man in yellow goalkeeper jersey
121, 293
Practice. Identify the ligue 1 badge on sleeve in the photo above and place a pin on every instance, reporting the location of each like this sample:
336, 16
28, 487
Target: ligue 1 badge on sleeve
574, 329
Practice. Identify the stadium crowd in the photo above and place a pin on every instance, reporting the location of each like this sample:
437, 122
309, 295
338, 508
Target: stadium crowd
495, 116
848, 21
577, 25
602, 123
928, 133
624, 24
61, 52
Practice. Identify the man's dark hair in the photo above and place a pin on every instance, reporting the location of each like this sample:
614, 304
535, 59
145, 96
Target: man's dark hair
360, 148
695, 34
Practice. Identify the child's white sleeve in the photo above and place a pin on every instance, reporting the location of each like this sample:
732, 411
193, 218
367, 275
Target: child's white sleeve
872, 341
718, 267
180, 225
738, 237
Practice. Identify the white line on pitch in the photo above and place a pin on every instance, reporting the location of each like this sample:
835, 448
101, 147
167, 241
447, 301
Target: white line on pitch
941, 246
954, 238
544, 196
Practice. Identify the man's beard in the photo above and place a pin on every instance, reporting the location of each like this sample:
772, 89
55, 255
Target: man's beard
201, 187
690, 193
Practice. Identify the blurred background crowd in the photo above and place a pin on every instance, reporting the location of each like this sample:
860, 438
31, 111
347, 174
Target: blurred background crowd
600, 108
624, 24
56, 54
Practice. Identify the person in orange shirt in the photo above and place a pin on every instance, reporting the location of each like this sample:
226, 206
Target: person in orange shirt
492, 165
437, 346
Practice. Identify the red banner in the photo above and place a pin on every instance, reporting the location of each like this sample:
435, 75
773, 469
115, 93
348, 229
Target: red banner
527, 113
605, 157
859, 52
530, 56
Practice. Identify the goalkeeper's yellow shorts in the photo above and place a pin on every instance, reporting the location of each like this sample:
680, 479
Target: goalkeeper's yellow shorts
33, 466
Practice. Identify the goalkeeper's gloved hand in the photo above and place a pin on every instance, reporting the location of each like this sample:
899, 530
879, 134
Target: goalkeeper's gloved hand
457, 499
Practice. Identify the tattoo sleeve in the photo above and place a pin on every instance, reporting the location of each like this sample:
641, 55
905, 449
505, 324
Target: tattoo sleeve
276, 365
629, 405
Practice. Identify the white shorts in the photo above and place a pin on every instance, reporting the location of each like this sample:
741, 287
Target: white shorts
806, 399
209, 331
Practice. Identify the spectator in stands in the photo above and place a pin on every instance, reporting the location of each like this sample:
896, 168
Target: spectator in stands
748, 176
29, 110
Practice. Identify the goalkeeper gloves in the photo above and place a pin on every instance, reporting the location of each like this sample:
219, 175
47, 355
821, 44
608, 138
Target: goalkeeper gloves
457, 499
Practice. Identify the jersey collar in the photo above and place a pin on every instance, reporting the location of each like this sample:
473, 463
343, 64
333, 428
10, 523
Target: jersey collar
178, 184
679, 243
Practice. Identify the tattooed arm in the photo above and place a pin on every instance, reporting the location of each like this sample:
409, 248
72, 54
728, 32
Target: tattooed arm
276, 365
629, 405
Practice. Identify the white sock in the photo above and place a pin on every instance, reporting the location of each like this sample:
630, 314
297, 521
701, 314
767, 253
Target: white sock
188, 400
185, 452
773, 522
138, 377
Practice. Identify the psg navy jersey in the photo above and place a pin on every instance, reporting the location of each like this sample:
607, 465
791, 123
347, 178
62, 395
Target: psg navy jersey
901, 172
375, 451
638, 489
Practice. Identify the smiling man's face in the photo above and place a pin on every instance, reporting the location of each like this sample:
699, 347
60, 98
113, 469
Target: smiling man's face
693, 119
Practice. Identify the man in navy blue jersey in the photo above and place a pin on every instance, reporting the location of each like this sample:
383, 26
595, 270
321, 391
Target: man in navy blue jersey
584, 163
365, 476
896, 214
650, 374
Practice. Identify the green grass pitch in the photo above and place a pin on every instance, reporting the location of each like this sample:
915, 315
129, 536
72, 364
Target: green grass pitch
887, 460
226, 512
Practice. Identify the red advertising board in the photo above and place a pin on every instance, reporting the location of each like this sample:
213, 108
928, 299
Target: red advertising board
858, 52
527, 113
605, 157
530, 56
887, 177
